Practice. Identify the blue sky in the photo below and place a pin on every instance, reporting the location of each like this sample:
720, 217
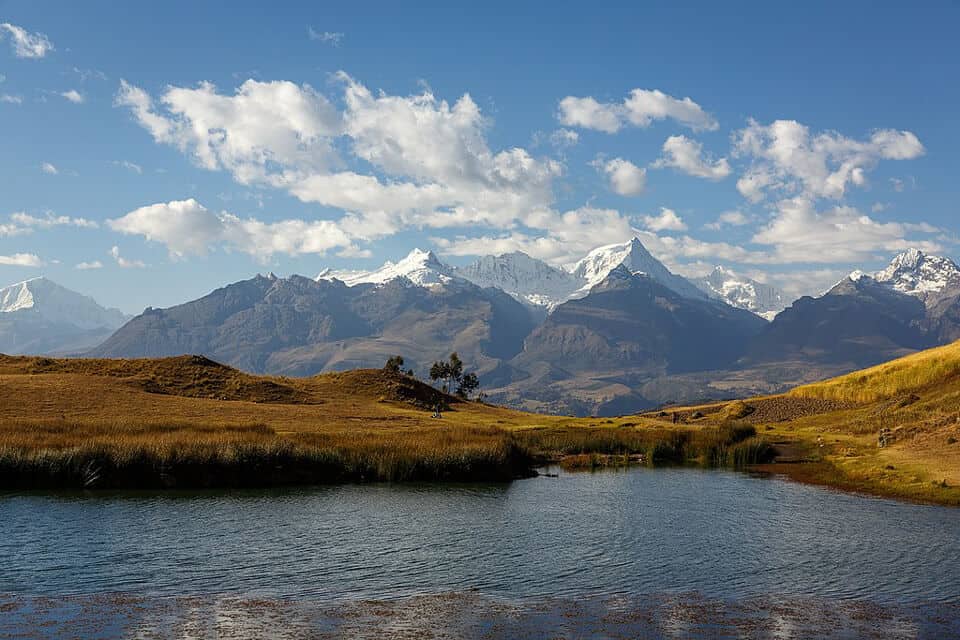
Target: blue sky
208, 144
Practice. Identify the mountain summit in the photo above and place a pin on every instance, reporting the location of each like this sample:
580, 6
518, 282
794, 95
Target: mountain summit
742, 292
422, 268
39, 316
597, 265
915, 273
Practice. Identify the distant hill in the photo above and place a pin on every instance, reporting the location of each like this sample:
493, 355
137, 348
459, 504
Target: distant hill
39, 316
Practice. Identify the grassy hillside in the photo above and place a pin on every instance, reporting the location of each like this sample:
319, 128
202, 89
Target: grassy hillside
188, 421
915, 372
834, 428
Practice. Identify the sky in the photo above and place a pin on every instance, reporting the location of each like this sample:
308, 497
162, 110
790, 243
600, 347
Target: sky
150, 153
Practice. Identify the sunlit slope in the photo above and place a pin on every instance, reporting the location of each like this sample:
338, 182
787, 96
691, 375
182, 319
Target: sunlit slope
911, 374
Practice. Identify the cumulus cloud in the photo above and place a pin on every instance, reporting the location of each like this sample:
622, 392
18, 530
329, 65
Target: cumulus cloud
562, 238
786, 159
728, 218
24, 43
799, 233
422, 160
124, 263
186, 227
626, 178
640, 108
668, 220
74, 96
687, 155
22, 260
85, 266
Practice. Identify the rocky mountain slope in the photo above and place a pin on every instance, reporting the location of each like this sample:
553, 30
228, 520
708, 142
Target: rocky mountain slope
300, 326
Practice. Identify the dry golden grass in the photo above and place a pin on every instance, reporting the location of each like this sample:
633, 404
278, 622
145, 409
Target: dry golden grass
898, 377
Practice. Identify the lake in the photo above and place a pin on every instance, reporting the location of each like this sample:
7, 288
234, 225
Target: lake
618, 540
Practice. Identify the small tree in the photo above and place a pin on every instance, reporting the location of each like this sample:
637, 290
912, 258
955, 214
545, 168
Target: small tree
451, 372
468, 384
440, 371
394, 364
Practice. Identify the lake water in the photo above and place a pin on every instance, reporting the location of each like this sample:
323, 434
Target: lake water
723, 536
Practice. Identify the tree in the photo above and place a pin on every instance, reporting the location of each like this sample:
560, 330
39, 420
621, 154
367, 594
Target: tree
451, 372
468, 384
394, 364
440, 371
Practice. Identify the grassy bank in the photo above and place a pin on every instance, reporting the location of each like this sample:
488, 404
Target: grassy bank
189, 422
171, 455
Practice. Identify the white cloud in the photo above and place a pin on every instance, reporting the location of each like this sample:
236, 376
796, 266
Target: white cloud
333, 38
879, 207
49, 221
266, 132
24, 43
424, 162
687, 155
564, 237
124, 263
74, 96
897, 184
11, 99
86, 74
22, 260
801, 234
786, 159
639, 109
49, 169
668, 220
728, 218
85, 266
186, 227
564, 138
626, 178
130, 166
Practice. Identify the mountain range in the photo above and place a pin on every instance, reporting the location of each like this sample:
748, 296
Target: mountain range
615, 332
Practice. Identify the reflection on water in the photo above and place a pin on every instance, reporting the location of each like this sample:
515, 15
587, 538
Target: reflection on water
723, 535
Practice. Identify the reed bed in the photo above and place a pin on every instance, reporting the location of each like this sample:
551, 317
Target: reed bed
164, 455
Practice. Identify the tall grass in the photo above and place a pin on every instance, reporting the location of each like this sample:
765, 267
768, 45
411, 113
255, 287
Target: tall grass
730, 444
65, 454
891, 379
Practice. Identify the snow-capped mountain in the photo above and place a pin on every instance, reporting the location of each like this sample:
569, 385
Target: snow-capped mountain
531, 281
742, 292
39, 316
422, 268
526, 279
597, 264
917, 274
54, 303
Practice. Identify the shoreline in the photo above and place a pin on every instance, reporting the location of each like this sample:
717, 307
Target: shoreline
473, 615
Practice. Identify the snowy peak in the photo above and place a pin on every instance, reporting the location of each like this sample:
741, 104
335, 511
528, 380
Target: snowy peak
526, 279
422, 268
915, 273
49, 301
597, 264
742, 292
